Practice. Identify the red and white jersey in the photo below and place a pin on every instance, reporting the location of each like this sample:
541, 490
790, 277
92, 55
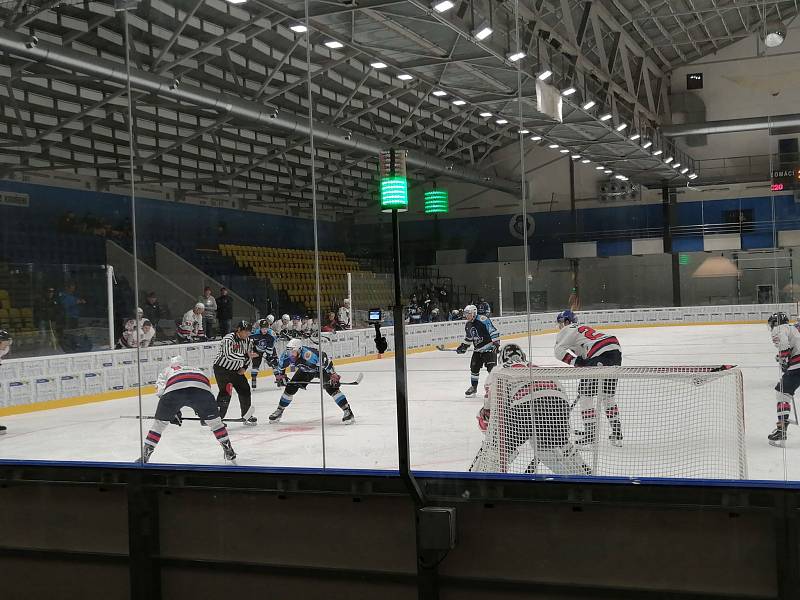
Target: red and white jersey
523, 389
581, 340
192, 324
787, 340
180, 378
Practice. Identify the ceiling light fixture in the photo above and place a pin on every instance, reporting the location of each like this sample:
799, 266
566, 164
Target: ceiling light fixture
334, 44
684, 169
553, 146
607, 171
459, 102
441, 6
563, 151
605, 117
569, 91
600, 168
439, 93
515, 56
576, 156
634, 137
676, 165
299, 28
647, 144
657, 152
486, 114
544, 75
589, 105
586, 161
378, 65
668, 160
536, 138
692, 175
482, 32
621, 126
501, 121
523, 132
774, 32
405, 77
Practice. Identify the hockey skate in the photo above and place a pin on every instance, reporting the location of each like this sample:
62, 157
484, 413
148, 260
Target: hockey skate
276, 416
147, 451
3, 429
778, 437
348, 418
251, 422
227, 451
254, 382
616, 434
471, 391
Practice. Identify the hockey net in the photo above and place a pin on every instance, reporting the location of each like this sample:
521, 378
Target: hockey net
682, 422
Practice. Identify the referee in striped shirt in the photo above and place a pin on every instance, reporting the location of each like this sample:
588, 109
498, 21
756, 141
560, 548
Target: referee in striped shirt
230, 365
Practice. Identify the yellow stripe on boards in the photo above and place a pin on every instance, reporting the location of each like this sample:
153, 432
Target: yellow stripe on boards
117, 394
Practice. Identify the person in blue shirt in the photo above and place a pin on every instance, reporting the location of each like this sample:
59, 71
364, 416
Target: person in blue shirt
307, 361
485, 340
264, 347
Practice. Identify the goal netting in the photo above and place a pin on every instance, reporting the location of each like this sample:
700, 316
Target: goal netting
674, 422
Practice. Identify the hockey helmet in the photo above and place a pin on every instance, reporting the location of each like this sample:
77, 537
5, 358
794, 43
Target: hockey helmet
778, 318
263, 324
470, 309
176, 362
566, 315
243, 324
286, 318
294, 344
510, 354
4, 336
270, 319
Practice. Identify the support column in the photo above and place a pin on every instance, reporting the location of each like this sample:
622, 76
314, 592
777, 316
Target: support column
669, 200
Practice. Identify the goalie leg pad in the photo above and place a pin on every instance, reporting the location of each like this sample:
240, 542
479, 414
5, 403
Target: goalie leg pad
564, 460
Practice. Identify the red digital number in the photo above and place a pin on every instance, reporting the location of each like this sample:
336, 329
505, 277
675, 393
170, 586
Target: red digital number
776, 187
589, 333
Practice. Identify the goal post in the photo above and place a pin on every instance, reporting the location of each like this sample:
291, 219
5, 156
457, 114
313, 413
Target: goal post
676, 422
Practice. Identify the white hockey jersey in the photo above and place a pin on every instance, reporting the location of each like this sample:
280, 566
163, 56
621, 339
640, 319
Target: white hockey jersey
787, 340
180, 378
583, 341
191, 325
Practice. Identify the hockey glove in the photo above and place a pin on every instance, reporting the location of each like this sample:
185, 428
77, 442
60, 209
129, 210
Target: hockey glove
280, 378
334, 381
579, 362
483, 419
462, 349
177, 419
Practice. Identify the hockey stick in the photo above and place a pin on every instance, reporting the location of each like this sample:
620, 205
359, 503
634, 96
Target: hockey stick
441, 348
147, 417
355, 382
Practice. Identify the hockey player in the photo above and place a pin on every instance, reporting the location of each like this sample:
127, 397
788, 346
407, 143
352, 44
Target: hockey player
180, 386
484, 308
307, 361
283, 325
230, 366
296, 328
485, 339
5, 347
263, 339
537, 412
190, 328
787, 340
582, 346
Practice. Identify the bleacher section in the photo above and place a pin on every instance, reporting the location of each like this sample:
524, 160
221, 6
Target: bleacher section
292, 271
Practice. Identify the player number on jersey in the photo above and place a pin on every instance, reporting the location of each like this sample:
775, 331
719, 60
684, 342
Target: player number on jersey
589, 333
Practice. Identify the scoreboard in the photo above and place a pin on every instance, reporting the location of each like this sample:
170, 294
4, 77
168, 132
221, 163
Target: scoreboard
785, 179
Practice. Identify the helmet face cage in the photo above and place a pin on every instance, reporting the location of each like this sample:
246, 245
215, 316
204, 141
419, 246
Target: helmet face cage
4, 336
510, 354
294, 344
263, 324
243, 325
778, 318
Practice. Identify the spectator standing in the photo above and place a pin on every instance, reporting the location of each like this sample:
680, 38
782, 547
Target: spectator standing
190, 329
442, 292
483, 308
71, 304
154, 312
210, 313
344, 316
224, 311
49, 317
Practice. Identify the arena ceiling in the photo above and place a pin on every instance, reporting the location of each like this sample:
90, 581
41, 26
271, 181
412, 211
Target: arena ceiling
221, 101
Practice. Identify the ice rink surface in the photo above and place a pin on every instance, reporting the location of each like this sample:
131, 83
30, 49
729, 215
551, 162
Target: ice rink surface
444, 433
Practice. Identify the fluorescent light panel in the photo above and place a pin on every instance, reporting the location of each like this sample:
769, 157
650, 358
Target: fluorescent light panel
536, 138
545, 74
486, 114
459, 102
634, 137
657, 152
334, 44
378, 65
589, 104
483, 32
523, 132
569, 91
442, 6
405, 77
501, 121
647, 144
553, 146
605, 117
515, 56
440, 93
621, 126
299, 28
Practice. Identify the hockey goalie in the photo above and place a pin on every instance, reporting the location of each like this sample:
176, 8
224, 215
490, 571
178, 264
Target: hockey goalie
526, 424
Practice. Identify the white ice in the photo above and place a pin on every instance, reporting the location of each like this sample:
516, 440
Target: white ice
443, 430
